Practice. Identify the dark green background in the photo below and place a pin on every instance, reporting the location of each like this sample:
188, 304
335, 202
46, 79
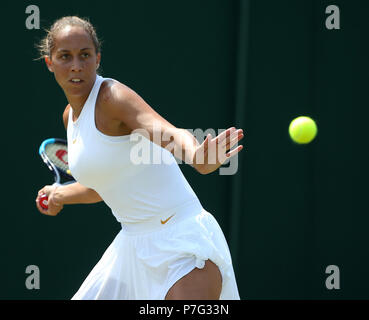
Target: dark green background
288, 213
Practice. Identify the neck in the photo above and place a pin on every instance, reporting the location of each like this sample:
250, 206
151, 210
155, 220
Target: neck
77, 104
77, 101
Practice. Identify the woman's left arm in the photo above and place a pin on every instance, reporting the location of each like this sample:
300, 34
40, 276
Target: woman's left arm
127, 106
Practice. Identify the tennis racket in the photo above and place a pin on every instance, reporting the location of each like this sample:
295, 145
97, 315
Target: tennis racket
54, 153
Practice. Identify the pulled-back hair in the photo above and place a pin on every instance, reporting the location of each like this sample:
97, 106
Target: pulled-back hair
47, 44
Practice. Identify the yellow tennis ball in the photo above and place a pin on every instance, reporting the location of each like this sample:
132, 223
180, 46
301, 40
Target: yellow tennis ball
302, 130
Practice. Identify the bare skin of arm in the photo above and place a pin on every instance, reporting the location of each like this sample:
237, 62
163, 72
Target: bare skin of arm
124, 108
119, 111
73, 193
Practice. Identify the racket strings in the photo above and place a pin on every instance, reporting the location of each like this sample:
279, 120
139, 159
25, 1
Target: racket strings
58, 155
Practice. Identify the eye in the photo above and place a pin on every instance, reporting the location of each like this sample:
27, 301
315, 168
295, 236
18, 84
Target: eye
64, 56
85, 55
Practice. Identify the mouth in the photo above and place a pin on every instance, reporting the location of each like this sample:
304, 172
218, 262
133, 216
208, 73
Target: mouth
76, 81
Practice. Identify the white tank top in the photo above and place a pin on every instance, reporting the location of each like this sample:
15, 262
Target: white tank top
134, 192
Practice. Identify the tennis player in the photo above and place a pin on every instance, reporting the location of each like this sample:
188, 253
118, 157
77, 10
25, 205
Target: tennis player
169, 246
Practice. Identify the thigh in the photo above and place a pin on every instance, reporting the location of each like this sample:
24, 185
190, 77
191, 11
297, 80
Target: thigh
199, 284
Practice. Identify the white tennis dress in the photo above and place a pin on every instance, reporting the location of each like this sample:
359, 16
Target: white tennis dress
165, 233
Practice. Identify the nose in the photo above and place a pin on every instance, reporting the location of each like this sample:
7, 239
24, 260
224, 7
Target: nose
76, 65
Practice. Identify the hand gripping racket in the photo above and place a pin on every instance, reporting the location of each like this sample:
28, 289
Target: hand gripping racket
54, 152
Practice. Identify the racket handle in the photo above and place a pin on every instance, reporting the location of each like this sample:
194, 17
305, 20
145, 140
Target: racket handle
43, 202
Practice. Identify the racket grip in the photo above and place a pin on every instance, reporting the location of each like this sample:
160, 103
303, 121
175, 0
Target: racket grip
44, 202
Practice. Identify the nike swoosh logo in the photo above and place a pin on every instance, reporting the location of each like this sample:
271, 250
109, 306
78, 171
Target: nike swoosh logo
165, 221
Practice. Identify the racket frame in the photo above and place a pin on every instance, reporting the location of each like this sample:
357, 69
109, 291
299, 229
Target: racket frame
58, 172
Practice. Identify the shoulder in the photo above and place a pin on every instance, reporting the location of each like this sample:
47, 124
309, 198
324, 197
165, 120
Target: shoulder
113, 91
116, 97
66, 116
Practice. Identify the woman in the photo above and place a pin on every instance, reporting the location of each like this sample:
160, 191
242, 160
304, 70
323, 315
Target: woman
169, 246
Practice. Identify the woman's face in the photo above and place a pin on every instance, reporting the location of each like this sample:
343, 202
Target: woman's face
74, 61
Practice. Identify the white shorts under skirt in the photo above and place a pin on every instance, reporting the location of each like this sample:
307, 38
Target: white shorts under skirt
146, 259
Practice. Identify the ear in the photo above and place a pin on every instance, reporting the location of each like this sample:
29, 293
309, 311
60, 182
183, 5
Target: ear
49, 63
98, 59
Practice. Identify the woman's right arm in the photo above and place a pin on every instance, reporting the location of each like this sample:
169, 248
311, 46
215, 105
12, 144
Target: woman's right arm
58, 196
73, 193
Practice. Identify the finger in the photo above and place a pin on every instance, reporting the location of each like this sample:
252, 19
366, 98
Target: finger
234, 151
233, 135
223, 136
234, 141
52, 203
54, 209
207, 141
45, 190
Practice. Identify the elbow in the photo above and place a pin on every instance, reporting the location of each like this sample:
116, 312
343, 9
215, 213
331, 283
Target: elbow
200, 169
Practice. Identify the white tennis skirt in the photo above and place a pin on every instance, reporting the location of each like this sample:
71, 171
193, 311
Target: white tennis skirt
146, 259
